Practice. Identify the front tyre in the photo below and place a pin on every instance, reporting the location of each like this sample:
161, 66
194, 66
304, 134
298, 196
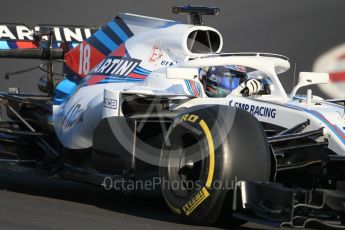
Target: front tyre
206, 151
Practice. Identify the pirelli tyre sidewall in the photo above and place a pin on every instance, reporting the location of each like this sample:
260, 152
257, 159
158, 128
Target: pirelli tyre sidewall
232, 146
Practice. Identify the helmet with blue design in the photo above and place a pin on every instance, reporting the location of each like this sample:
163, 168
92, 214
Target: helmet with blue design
219, 81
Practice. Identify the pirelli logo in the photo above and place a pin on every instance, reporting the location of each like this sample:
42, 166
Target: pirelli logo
190, 118
191, 205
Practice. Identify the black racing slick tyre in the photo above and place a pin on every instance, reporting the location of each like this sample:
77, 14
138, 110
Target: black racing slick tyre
207, 150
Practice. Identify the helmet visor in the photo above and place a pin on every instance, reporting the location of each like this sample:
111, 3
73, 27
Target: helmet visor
221, 81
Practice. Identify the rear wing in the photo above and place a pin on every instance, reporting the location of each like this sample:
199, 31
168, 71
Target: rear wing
79, 48
45, 42
41, 41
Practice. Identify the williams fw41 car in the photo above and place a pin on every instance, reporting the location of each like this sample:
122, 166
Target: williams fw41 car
146, 99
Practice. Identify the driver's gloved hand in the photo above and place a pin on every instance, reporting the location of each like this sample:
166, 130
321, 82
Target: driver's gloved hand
247, 88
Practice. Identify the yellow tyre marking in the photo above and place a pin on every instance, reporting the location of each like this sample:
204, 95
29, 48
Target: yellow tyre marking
172, 208
190, 206
189, 117
211, 152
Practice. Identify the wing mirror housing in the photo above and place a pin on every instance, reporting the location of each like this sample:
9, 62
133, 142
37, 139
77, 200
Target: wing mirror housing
310, 78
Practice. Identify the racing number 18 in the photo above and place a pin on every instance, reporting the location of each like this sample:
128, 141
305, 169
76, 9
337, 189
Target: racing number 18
84, 59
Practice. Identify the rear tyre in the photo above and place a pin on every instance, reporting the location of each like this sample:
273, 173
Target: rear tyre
206, 151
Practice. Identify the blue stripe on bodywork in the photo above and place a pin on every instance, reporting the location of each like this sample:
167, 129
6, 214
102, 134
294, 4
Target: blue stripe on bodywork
143, 70
114, 37
74, 44
321, 118
140, 72
102, 37
12, 44
63, 91
189, 87
329, 125
4, 45
99, 46
124, 26
125, 80
197, 88
117, 30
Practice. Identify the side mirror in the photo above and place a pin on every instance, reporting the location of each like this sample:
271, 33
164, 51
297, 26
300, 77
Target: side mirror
310, 78
43, 84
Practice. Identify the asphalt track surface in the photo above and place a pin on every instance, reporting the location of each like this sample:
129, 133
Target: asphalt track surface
300, 29
35, 202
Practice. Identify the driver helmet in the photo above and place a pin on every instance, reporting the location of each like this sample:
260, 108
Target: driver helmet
219, 81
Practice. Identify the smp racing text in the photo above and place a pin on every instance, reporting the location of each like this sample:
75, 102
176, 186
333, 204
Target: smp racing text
256, 110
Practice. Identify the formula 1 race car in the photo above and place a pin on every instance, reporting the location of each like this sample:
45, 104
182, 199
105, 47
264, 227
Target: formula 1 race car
136, 104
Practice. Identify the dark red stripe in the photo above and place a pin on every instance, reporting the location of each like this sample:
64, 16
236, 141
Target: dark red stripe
120, 51
194, 88
341, 57
138, 76
26, 44
339, 132
335, 127
95, 79
337, 76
